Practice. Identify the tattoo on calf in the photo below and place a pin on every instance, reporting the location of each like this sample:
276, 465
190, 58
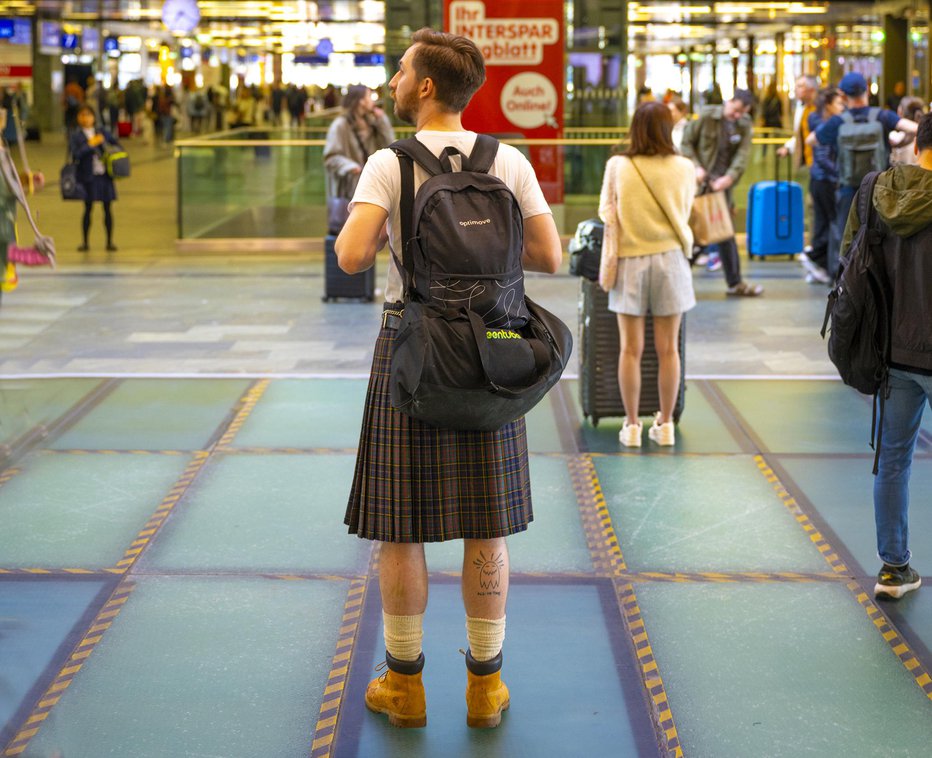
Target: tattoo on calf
490, 572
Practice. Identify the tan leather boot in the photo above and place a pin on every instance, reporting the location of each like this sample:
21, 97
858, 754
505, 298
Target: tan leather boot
399, 693
486, 693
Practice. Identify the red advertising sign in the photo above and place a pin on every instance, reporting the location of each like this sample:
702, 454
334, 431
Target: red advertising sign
19, 72
522, 44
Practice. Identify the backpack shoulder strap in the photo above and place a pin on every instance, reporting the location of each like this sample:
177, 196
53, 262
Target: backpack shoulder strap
865, 199
417, 152
873, 114
483, 154
846, 117
406, 211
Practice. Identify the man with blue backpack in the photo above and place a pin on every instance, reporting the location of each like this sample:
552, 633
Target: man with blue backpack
861, 139
415, 482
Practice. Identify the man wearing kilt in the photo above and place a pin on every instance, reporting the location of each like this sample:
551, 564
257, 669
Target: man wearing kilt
416, 483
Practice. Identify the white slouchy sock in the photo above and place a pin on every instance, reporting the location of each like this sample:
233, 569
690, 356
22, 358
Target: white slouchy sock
485, 637
403, 635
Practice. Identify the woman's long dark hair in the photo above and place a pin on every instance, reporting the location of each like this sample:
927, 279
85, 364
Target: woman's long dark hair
651, 131
353, 95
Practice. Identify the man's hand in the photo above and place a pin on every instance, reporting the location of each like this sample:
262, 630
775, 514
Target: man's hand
701, 174
722, 183
783, 151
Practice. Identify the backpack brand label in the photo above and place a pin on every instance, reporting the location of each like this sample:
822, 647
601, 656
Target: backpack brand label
476, 222
502, 334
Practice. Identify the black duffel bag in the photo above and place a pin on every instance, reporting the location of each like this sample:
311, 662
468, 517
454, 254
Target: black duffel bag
451, 371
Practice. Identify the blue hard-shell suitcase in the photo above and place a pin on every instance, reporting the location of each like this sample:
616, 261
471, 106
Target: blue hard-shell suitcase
775, 219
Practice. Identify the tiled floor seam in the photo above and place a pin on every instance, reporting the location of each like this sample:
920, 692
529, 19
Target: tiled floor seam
883, 624
608, 560
10, 454
226, 432
102, 621
330, 709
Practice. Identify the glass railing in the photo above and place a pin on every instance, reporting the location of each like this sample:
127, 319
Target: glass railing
254, 184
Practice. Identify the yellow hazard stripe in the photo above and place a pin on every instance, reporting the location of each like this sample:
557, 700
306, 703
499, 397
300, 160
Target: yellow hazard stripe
883, 625
607, 559
66, 674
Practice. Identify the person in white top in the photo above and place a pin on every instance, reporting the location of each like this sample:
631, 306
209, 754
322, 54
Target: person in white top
416, 483
680, 113
647, 194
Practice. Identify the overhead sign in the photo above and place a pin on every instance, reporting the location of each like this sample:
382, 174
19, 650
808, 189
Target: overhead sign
523, 92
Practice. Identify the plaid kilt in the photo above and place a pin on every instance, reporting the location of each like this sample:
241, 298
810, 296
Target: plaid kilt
417, 483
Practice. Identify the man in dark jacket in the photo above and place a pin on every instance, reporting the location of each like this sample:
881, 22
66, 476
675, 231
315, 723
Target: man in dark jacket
719, 143
903, 201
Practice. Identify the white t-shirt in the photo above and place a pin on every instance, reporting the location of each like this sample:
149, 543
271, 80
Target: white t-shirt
380, 184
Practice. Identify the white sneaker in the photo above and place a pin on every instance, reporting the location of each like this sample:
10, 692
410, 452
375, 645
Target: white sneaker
821, 275
630, 434
662, 434
816, 271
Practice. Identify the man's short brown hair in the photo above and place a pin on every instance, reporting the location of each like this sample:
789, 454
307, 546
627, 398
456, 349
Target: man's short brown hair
454, 63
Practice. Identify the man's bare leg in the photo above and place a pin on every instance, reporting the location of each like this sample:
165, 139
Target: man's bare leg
485, 590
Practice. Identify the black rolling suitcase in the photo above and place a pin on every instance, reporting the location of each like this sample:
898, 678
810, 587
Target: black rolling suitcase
599, 347
338, 284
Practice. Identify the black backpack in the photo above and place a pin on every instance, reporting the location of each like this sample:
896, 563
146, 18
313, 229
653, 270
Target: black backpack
472, 351
859, 309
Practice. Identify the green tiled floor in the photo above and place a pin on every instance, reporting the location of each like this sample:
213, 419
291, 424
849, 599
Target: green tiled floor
306, 414
226, 646
781, 670
728, 518
262, 513
70, 511
802, 417
30, 404
151, 414
195, 667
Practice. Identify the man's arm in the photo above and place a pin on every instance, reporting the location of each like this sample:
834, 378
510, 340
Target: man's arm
363, 235
690, 140
907, 125
543, 250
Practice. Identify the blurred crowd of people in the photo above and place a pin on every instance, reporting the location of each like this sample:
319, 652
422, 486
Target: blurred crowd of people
129, 111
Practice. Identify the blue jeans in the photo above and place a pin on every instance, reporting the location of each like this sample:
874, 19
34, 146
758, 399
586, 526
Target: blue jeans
902, 415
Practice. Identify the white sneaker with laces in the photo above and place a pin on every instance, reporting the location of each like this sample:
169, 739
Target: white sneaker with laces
630, 434
662, 434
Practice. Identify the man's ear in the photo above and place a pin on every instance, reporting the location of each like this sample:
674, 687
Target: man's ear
426, 88
916, 146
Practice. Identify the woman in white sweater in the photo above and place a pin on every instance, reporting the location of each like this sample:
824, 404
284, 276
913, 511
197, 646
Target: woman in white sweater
647, 194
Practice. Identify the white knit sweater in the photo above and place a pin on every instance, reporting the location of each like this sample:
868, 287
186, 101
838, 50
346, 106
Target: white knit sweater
642, 228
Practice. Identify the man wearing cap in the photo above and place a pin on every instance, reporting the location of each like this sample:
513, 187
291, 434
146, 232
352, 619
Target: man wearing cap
854, 90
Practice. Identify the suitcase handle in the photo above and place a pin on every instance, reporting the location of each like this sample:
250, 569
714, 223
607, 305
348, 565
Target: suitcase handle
785, 184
